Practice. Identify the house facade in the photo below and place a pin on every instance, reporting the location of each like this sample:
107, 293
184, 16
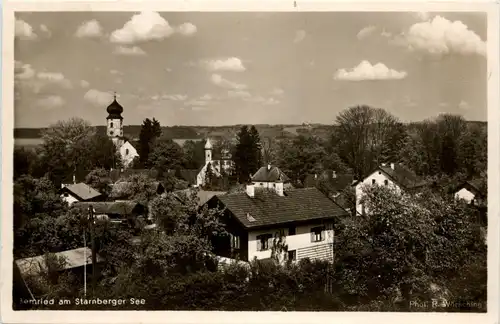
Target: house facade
268, 176
394, 176
79, 192
254, 219
472, 191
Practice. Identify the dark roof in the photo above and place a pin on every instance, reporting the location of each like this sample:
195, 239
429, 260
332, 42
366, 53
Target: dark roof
72, 259
118, 188
116, 207
272, 174
403, 176
203, 195
82, 191
477, 185
267, 208
114, 110
336, 183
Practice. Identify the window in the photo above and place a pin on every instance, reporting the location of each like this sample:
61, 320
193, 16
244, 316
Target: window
373, 181
235, 241
317, 234
291, 230
111, 124
261, 184
110, 132
126, 151
292, 255
263, 242
379, 172
65, 194
386, 182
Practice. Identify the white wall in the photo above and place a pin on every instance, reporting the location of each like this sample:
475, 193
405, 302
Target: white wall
70, 199
115, 128
465, 195
127, 158
301, 239
379, 178
270, 185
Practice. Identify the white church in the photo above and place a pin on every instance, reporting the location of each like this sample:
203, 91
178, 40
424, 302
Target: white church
224, 164
115, 132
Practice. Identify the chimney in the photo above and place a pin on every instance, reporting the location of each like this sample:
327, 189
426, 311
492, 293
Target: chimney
392, 166
334, 174
251, 190
315, 176
279, 188
268, 167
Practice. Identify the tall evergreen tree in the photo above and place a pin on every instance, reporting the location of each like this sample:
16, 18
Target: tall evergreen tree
247, 157
150, 130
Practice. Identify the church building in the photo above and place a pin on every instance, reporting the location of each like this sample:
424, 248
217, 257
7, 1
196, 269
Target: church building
115, 133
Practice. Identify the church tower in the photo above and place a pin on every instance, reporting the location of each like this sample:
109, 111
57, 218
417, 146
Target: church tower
115, 122
208, 151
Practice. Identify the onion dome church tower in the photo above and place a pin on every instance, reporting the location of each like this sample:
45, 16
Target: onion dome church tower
115, 122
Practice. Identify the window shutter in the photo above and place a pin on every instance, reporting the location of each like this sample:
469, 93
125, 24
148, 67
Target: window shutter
259, 244
323, 235
269, 241
312, 236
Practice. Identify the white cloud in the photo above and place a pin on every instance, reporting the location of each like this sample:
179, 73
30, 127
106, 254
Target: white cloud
195, 102
217, 79
144, 26
84, 84
115, 72
464, 105
51, 102
365, 32
56, 78
206, 97
299, 36
277, 92
238, 94
98, 98
130, 51
23, 71
422, 15
262, 100
187, 29
23, 30
366, 71
91, 28
441, 36
230, 64
45, 30
386, 34
174, 97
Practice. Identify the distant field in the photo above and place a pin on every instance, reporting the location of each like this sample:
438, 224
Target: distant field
26, 142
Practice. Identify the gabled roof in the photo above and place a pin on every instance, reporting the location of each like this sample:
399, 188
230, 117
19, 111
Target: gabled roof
337, 183
116, 207
267, 208
203, 195
476, 185
272, 174
118, 188
82, 191
73, 259
403, 176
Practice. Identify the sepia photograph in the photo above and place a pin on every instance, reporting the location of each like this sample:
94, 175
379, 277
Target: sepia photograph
257, 161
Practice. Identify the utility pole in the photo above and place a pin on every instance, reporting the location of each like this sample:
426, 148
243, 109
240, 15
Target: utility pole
92, 234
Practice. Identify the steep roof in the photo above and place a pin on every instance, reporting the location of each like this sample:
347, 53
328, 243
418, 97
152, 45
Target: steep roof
119, 187
403, 176
208, 144
477, 185
116, 207
272, 174
73, 259
337, 183
203, 195
82, 191
267, 208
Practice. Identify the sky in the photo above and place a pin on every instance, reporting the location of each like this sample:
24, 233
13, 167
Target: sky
195, 68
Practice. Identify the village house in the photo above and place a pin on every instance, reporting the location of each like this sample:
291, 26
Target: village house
114, 130
79, 192
303, 217
393, 175
268, 177
472, 191
116, 211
